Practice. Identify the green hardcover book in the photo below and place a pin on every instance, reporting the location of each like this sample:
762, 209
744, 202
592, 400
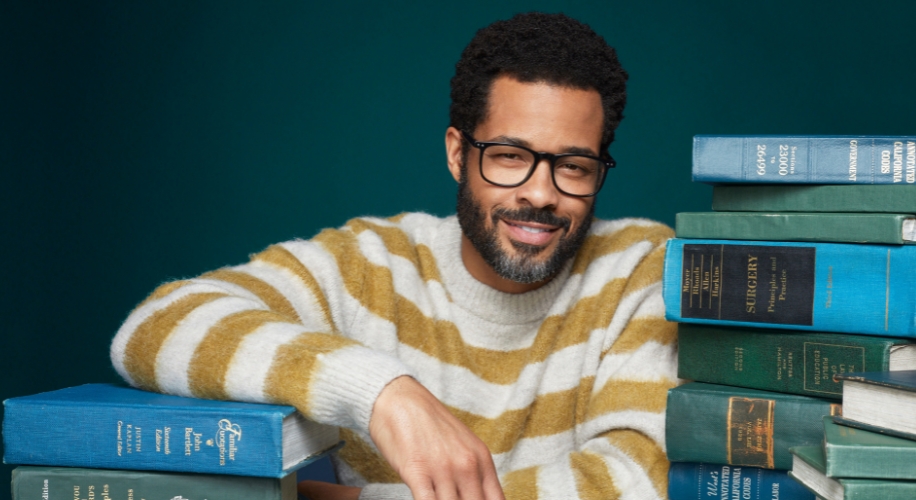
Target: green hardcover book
808, 468
721, 424
794, 362
69, 483
858, 453
894, 229
815, 198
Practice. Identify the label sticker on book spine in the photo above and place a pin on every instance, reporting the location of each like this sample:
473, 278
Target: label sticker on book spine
750, 283
750, 432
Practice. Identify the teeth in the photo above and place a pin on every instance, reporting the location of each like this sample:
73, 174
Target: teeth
532, 229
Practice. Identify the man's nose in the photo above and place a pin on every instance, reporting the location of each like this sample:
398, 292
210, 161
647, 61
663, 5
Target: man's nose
539, 190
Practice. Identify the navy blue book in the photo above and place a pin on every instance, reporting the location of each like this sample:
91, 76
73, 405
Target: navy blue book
112, 427
815, 159
880, 402
701, 481
828, 287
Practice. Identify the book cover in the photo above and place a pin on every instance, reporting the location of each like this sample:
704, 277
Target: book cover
828, 287
815, 198
64, 483
839, 227
736, 426
808, 468
851, 452
882, 402
107, 426
698, 481
785, 360
774, 159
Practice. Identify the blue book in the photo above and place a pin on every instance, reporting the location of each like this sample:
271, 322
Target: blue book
701, 481
112, 427
829, 287
815, 159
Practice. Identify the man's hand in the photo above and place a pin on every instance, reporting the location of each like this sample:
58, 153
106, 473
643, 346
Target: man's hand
436, 455
318, 490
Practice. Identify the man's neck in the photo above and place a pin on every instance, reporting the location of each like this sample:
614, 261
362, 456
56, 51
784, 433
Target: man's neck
482, 272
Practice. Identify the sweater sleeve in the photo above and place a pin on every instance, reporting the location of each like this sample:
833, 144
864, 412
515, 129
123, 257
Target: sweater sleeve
277, 329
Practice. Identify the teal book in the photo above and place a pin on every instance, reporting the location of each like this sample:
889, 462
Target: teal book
836, 227
697, 481
789, 361
827, 287
864, 198
851, 452
112, 427
64, 483
808, 468
720, 424
814, 159
882, 402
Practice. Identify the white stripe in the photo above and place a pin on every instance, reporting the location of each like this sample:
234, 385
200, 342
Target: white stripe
247, 373
530, 452
649, 423
651, 361
629, 477
174, 357
293, 289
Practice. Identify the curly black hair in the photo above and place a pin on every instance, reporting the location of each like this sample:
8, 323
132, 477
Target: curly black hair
538, 47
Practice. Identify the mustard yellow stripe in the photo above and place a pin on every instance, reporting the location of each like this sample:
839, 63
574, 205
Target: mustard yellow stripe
364, 460
143, 346
596, 246
645, 452
398, 243
294, 366
267, 293
281, 257
207, 373
620, 395
648, 271
521, 484
593, 480
642, 330
162, 290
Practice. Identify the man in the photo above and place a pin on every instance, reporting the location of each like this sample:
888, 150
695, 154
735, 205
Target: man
516, 351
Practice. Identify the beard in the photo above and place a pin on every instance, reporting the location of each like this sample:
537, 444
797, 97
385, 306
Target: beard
524, 266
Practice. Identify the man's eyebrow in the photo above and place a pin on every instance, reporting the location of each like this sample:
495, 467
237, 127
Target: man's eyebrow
515, 141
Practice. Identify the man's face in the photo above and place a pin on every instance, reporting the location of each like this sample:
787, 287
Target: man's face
523, 235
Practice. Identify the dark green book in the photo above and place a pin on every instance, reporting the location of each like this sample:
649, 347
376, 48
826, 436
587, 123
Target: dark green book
815, 198
883, 402
721, 424
852, 452
69, 483
808, 468
894, 229
788, 361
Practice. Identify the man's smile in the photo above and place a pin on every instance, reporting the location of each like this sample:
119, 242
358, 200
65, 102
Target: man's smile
530, 233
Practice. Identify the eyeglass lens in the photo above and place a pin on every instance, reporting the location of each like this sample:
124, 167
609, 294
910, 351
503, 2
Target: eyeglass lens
509, 165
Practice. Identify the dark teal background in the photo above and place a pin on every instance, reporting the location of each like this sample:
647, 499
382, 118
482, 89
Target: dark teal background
146, 141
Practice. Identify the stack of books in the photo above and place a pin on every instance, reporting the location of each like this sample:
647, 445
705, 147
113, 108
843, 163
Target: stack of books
105, 441
802, 273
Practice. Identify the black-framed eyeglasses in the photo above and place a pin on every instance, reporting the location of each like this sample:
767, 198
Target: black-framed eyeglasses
510, 165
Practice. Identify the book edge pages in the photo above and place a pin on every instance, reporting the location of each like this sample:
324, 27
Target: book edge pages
879, 406
303, 438
815, 480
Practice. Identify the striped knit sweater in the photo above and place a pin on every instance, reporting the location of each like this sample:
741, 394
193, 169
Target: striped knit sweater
565, 384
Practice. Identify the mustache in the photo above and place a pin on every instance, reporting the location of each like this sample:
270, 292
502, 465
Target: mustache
530, 214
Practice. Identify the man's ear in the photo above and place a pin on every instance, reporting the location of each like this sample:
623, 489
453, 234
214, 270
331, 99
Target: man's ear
453, 141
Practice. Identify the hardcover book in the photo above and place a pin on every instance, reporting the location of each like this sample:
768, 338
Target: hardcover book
773, 159
828, 287
883, 402
891, 229
785, 360
815, 198
745, 427
64, 483
107, 426
697, 481
851, 452
808, 467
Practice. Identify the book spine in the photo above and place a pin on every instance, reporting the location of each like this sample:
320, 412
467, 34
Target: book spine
734, 426
700, 481
143, 438
864, 489
829, 287
869, 461
804, 160
777, 226
59, 483
815, 198
773, 360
